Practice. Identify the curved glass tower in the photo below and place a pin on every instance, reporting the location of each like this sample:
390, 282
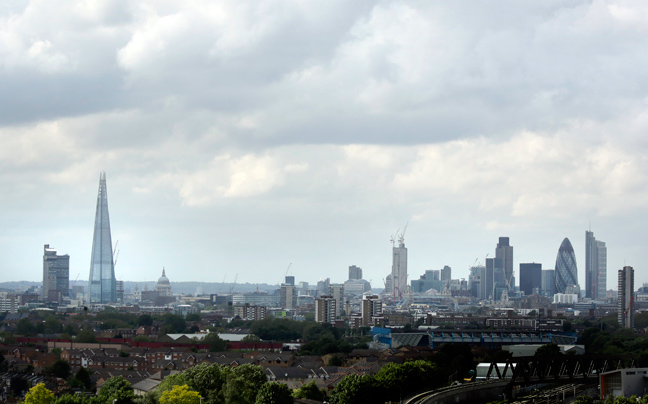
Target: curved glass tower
566, 272
102, 268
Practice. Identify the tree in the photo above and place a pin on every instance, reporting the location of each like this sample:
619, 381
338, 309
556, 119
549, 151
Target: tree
398, 381
86, 336
75, 399
26, 328
310, 391
274, 393
117, 390
336, 360
216, 343
39, 394
83, 377
59, 368
145, 320
193, 317
180, 395
243, 384
547, 350
355, 389
251, 338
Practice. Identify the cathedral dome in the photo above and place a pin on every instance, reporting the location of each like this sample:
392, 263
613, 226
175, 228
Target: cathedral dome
163, 279
163, 285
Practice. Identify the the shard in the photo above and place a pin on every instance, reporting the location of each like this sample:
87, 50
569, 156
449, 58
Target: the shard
102, 267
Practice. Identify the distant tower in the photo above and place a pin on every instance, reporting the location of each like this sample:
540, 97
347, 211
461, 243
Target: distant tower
504, 252
530, 277
103, 284
399, 267
595, 267
566, 272
56, 275
626, 304
355, 272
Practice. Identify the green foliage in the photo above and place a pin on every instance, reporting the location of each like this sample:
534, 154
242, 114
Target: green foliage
325, 346
145, 320
180, 395
276, 329
76, 399
547, 350
117, 388
398, 381
584, 400
59, 368
8, 338
86, 336
335, 361
274, 393
83, 377
356, 389
193, 317
216, 343
39, 394
310, 391
251, 338
142, 338
172, 324
25, 328
52, 325
454, 359
243, 384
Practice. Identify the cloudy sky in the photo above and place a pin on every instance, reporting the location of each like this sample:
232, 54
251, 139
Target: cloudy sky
241, 136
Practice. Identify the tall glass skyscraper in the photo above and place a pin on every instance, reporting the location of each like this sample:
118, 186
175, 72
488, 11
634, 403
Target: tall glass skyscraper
595, 267
504, 252
566, 271
102, 268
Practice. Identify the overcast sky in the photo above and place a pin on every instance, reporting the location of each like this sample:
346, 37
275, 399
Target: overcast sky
241, 136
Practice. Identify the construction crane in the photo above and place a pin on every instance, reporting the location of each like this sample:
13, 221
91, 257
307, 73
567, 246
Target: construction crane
287, 269
233, 284
75, 279
401, 239
115, 254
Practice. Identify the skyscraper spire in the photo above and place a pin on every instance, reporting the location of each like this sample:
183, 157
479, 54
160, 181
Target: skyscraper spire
102, 268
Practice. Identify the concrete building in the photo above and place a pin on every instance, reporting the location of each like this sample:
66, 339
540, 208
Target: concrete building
325, 309
371, 309
288, 296
102, 285
624, 383
355, 272
250, 313
504, 252
625, 302
256, 299
336, 290
446, 273
595, 267
56, 276
399, 269
530, 278
476, 281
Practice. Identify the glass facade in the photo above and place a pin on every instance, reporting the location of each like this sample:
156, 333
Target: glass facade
566, 272
102, 269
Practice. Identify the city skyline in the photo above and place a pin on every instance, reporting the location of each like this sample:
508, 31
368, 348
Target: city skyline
240, 137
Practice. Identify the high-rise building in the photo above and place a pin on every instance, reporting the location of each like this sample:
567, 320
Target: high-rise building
288, 296
595, 267
566, 271
626, 303
476, 281
530, 278
103, 285
494, 282
548, 282
325, 309
336, 290
446, 273
355, 272
56, 275
504, 252
399, 269
371, 308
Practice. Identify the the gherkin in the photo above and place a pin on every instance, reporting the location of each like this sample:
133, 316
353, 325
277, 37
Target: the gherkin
102, 268
566, 272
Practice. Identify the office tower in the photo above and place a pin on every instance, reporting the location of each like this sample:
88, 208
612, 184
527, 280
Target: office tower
102, 268
530, 277
371, 308
399, 269
494, 282
475, 281
548, 282
446, 273
595, 267
323, 286
119, 291
288, 296
290, 280
56, 275
626, 303
504, 252
355, 272
431, 279
325, 309
566, 272
336, 290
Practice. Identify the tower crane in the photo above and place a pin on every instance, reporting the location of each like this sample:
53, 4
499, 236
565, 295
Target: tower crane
233, 284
